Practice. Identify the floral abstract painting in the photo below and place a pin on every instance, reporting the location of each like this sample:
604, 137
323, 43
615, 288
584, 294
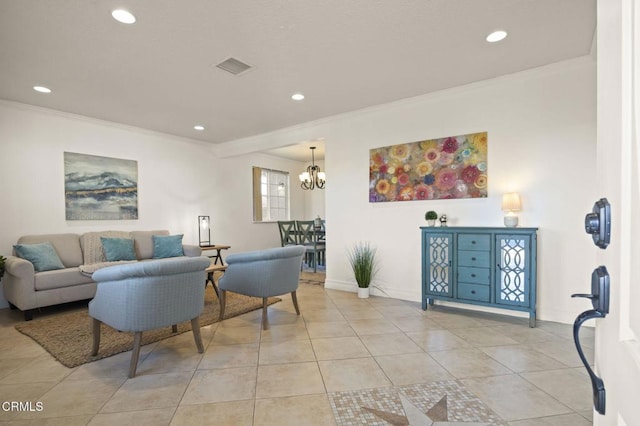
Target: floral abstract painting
435, 169
100, 188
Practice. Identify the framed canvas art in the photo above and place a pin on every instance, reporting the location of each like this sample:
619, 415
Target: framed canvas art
100, 188
434, 169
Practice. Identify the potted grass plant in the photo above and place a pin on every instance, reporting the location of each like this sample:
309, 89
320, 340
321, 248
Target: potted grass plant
2, 259
362, 258
431, 217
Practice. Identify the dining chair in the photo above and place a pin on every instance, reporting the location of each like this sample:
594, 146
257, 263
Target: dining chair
287, 229
308, 238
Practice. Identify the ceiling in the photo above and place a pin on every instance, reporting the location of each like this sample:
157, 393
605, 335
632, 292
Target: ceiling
160, 73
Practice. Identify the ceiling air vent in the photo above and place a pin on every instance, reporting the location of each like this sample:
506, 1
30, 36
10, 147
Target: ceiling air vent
233, 66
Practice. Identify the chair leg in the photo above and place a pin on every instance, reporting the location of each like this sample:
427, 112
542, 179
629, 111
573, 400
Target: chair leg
265, 318
294, 297
223, 300
174, 328
96, 336
195, 326
135, 354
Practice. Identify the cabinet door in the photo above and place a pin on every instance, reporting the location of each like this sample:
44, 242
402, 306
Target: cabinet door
438, 264
513, 271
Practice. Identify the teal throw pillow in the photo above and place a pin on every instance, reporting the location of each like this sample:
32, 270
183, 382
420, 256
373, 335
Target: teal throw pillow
43, 256
118, 249
167, 246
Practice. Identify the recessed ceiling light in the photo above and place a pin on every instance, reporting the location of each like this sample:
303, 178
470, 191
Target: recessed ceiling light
297, 96
496, 36
123, 16
41, 89
198, 127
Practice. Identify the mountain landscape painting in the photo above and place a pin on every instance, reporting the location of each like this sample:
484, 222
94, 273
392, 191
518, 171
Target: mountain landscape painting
100, 188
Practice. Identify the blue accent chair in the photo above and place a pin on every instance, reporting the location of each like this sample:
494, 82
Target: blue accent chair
264, 273
143, 296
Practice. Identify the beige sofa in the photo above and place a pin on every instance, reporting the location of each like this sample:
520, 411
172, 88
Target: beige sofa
27, 290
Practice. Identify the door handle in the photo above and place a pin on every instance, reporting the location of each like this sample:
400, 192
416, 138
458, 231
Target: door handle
597, 385
599, 297
599, 291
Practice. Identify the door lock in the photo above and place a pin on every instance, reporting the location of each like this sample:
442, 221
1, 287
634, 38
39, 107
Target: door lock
598, 223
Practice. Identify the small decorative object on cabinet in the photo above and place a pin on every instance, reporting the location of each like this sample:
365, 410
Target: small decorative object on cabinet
431, 217
443, 220
484, 266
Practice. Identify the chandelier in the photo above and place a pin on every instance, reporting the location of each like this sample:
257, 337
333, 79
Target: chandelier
313, 177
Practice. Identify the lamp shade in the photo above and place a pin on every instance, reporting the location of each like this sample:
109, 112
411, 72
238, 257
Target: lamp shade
511, 202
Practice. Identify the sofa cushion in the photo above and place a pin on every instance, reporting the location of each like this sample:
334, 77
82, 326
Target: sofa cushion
118, 249
144, 242
92, 246
60, 278
67, 246
167, 246
43, 256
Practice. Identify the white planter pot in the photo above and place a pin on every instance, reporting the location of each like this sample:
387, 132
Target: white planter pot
363, 292
431, 222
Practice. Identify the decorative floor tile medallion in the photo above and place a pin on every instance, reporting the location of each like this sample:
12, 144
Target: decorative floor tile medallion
438, 404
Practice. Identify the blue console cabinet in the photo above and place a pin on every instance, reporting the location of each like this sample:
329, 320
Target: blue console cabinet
484, 266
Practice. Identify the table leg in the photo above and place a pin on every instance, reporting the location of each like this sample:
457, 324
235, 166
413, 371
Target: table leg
217, 257
213, 283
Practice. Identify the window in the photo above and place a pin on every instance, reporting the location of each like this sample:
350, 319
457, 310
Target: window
270, 195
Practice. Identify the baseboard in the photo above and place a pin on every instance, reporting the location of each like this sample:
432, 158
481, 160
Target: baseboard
375, 290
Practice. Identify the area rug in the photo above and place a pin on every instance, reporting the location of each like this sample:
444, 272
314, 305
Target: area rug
316, 278
68, 336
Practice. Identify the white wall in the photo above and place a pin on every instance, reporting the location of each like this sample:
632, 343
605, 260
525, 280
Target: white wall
541, 126
232, 202
178, 179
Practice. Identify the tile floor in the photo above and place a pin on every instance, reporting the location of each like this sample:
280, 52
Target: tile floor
307, 370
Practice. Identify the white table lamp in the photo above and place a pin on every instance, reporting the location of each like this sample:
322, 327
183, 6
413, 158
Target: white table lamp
511, 204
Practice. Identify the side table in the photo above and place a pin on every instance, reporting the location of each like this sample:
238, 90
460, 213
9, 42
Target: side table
217, 257
210, 271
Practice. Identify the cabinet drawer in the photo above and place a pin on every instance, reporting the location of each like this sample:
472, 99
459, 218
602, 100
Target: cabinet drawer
473, 292
474, 275
478, 259
474, 242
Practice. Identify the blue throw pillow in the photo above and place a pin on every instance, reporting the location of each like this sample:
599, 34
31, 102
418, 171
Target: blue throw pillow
43, 256
167, 246
118, 249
